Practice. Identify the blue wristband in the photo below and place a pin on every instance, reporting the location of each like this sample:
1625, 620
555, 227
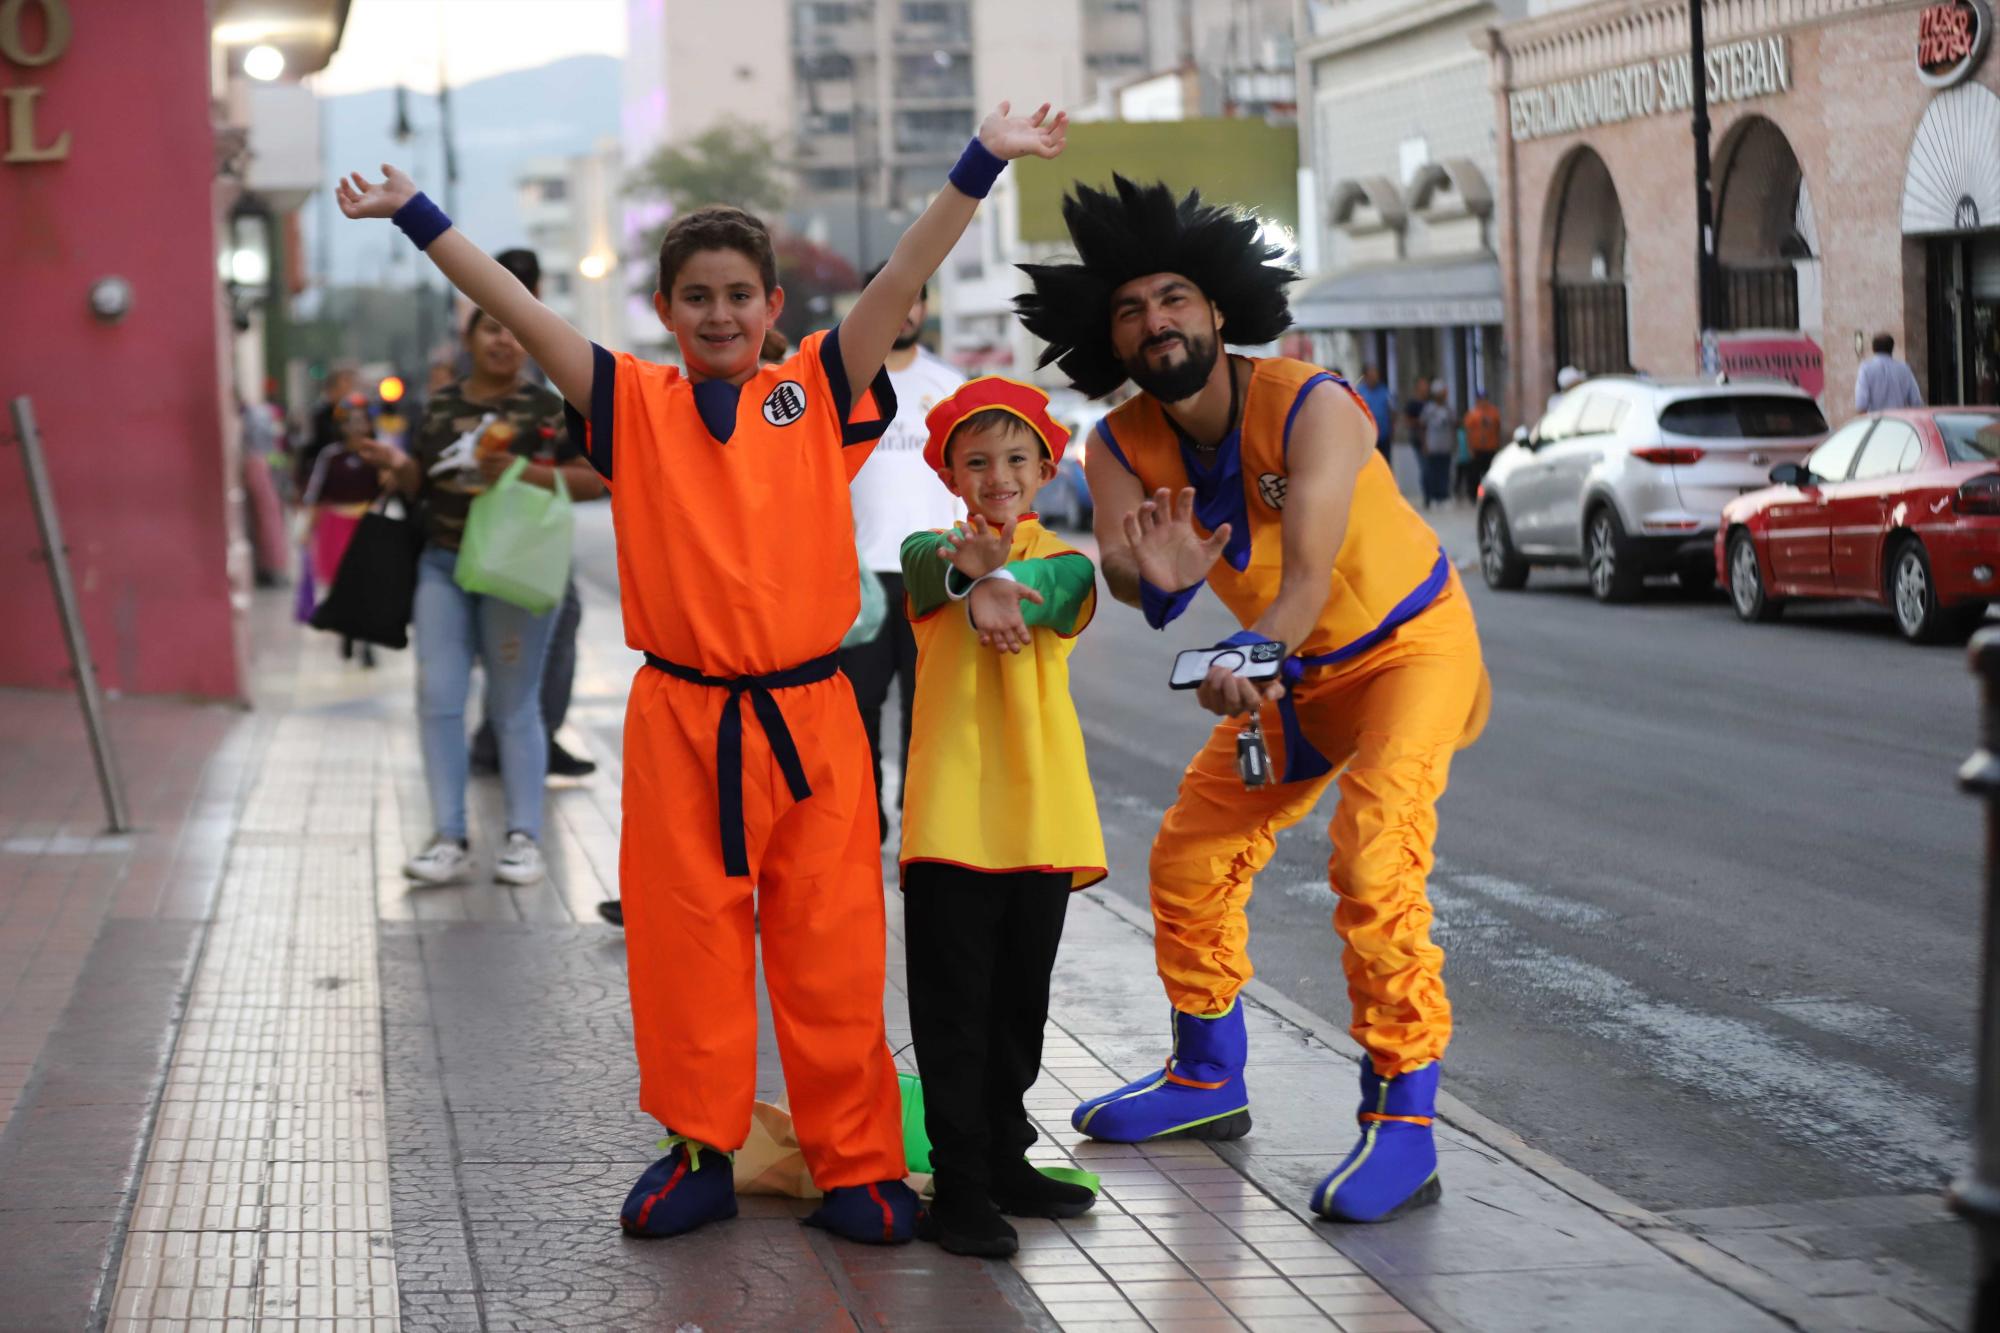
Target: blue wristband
421, 220
1162, 607
977, 169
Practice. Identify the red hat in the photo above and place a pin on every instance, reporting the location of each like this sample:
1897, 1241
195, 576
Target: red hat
993, 393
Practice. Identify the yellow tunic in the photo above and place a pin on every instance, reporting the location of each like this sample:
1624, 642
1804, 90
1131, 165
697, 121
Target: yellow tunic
997, 779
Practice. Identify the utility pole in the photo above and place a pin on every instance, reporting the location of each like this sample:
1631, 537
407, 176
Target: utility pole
1704, 204
404, 132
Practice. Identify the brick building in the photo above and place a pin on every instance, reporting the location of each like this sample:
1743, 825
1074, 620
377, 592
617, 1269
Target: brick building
1856, 192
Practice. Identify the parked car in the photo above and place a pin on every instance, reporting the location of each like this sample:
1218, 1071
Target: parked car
1901, 508
1627, 476
1065, 503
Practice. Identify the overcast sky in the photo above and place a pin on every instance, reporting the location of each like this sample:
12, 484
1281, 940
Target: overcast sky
400, 41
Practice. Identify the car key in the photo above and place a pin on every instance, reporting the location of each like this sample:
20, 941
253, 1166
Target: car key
1253, 761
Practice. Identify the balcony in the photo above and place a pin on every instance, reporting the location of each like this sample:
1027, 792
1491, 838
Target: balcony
1760, 296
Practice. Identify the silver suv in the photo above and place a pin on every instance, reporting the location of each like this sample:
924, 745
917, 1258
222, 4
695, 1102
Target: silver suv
1627, 477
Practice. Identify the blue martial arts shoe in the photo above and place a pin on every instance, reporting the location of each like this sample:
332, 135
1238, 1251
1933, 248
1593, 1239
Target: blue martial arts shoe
1395, 1166
691, 1185
884, 1213
1199, 1095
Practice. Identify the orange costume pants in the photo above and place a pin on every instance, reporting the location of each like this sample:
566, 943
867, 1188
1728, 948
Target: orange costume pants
1388, 723
691, 930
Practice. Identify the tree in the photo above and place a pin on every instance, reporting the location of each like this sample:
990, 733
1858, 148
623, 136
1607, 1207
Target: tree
732, 162
812, 277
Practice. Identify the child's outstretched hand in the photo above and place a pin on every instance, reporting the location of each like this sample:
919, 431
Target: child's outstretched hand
995, 607
977, 548
1009, 136
359, 199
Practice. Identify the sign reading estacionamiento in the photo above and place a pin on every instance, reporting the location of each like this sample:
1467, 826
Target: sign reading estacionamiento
1759, 67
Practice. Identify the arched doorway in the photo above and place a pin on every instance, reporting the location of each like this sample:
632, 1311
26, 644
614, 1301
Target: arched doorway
1766, 239
1951, 204
1587, 268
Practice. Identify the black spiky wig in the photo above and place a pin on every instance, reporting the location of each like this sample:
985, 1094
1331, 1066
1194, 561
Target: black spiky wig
1138, 231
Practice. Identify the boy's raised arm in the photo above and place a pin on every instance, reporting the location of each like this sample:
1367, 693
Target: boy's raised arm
869, 330
561, 352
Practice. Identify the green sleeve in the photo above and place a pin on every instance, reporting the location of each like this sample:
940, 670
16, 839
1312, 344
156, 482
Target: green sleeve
923, 573
1065, 583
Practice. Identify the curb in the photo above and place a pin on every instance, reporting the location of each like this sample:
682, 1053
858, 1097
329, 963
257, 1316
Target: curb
1690, 1251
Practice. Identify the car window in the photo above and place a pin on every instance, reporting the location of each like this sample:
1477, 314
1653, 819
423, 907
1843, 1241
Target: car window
1893, 448
1970, 437
1750, 416
1561, 423
1601, 415
1830, 461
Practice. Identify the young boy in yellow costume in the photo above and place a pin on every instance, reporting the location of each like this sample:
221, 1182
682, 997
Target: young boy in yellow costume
1260, 476
1000, 824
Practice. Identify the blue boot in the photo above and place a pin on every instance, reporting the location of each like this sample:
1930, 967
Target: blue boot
1200, 1094
1395, 1166
884, 1213
691, 1185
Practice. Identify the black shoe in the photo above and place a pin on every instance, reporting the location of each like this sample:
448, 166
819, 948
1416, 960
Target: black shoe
1021, 1191
563, 764
966, 1222
612, 910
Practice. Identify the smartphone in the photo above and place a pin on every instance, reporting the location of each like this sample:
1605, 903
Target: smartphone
1253, 661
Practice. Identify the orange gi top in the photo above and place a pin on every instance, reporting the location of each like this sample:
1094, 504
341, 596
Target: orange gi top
735, 548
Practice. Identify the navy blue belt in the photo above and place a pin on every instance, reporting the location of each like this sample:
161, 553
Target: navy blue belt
729, 739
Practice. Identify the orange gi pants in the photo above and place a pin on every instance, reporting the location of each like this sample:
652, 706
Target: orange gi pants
1388, 723
691, 931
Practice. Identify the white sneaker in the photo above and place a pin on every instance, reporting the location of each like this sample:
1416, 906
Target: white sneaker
521, 862
443, 862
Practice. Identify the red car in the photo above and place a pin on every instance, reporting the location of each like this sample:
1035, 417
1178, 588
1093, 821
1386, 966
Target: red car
1901, 508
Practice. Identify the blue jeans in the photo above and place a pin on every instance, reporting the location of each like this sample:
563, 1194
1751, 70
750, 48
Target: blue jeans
453, 627
1437, 478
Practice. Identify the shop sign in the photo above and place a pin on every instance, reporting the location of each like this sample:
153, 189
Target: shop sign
24, 141
1792, 357
1951, 40
1758, 67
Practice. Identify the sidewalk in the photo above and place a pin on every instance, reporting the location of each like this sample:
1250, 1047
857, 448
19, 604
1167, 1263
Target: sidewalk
340, 1103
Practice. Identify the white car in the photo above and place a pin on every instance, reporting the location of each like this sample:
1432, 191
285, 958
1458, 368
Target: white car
1627, 476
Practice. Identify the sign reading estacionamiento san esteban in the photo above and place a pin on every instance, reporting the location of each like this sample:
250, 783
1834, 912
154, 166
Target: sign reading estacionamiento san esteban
1759, 67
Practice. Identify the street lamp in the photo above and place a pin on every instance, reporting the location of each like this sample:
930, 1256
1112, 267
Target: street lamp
1704, 208
264, 62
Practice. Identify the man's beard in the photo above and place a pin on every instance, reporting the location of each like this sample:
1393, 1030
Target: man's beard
905, 341
1180, 381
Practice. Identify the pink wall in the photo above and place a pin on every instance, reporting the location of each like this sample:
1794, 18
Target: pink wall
131, 414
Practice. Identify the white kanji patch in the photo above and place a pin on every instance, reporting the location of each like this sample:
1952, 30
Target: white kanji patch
1272, 487
785, 404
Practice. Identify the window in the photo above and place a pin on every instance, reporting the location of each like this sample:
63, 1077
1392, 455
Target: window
1893, 448
1970, 437
1561, 423
1601, 415
914, 12
1829, 462
1743, 417
828, 178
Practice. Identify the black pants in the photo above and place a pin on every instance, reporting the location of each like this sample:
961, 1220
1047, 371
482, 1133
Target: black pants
870, 666
980, 949
558, 678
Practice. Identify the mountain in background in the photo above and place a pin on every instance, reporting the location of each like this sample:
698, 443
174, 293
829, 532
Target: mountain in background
499, 124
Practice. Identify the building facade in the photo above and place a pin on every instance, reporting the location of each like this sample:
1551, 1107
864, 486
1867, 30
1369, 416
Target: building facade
570, 207
1398, 186
1856, 184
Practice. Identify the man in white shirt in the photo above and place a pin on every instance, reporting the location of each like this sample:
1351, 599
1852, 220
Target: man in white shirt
894, 495
1883, 382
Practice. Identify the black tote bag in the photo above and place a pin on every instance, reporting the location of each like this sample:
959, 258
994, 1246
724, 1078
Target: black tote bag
376, 585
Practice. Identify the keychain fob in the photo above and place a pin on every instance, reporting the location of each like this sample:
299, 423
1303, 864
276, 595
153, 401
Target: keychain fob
1253, 761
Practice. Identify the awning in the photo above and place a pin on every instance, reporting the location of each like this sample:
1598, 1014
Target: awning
1411, 293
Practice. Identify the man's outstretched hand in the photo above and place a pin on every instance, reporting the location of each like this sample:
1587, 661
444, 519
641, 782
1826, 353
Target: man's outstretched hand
361, 199
995, 607
1171, 555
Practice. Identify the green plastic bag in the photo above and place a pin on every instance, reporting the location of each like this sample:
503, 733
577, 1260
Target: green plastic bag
916, 1140
517, 542
874, 610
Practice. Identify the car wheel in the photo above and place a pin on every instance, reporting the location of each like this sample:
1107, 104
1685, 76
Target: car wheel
1615, 575
1502, 565
1754, 603
1913, 597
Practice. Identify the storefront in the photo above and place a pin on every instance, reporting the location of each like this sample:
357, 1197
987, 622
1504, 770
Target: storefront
1856, 188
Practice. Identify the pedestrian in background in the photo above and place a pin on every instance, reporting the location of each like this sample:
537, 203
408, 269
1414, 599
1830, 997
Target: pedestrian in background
336, 493
1482, 441
1566, 379
897, 493
1413, 416
559, 671
471, 433
1439, 436
1382, 406
1883, 383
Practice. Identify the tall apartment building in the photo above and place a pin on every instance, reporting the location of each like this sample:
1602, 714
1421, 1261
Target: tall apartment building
570, 208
